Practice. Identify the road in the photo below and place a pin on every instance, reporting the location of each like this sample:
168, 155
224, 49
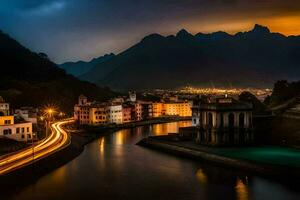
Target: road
57, 140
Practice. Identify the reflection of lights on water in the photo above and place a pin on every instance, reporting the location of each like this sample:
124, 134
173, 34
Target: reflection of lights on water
241, 190
139, 131
101, 144
201, 176
120, 138
164, 129
157, 129
60, 175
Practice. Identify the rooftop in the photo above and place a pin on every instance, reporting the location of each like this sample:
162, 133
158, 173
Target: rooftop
220, 103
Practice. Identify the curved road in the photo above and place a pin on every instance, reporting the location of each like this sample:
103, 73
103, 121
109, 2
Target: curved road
57, 140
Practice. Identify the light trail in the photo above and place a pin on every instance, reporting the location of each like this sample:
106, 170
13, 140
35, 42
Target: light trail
57, 140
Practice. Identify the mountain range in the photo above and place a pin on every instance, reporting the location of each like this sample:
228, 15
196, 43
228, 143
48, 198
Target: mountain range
31, 79
81, 67
255, 58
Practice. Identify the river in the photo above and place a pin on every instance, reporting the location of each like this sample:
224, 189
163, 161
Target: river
113, 167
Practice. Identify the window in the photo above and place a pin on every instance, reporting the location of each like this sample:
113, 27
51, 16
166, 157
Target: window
7, 122
18, 130
28, 136
23, 130
27, 129
7, 132
23, 136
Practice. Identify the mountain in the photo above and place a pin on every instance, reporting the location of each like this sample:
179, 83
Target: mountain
82, 67
253, 58
31, 79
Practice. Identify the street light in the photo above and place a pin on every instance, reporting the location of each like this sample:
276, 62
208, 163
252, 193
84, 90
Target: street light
48, 112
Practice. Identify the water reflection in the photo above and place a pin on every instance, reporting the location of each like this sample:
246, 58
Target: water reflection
210, 176
201, 176
60, 176
242, 189
163, 129
120, 137
113, 167
101, 145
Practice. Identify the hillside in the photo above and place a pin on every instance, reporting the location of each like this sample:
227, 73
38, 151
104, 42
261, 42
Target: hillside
31, 79
81, 67
254, 58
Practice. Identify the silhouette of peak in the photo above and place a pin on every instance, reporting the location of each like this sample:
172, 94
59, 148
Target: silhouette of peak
215, 35
260, 29
183, 34
153, 37
103, 57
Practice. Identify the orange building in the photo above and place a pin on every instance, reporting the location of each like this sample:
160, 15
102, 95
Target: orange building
126, 112
182, 109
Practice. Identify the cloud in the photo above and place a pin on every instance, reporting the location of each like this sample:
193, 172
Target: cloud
44, 8
102, 26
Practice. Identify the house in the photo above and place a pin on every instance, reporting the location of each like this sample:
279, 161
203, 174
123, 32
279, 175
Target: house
13, 127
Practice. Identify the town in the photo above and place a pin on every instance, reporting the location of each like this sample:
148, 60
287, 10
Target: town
131, 100
124, 110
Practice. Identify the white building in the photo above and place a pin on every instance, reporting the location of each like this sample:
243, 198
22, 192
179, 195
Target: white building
20, 131
115, 114
27, 113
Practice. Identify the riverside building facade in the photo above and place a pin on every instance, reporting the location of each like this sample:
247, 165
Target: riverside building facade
121, 110
222, 121
181, 109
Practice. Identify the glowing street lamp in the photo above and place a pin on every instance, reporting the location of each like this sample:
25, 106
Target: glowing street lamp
48, 112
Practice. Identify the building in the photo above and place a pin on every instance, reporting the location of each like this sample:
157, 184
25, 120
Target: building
156, 110
222, 121
82, 114
4, 107
132, 96
146, 110
137, 112
181, 109
118, 111
90, 113
115, 114
98, 114
127, 113
27, 113
82, 110
12, 127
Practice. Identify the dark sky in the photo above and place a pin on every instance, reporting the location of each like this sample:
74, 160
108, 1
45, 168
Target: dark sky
81, 29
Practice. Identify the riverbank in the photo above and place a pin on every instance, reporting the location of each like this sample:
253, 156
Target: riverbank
168, 144
161, 120
79, 138
31, 173
90, 133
